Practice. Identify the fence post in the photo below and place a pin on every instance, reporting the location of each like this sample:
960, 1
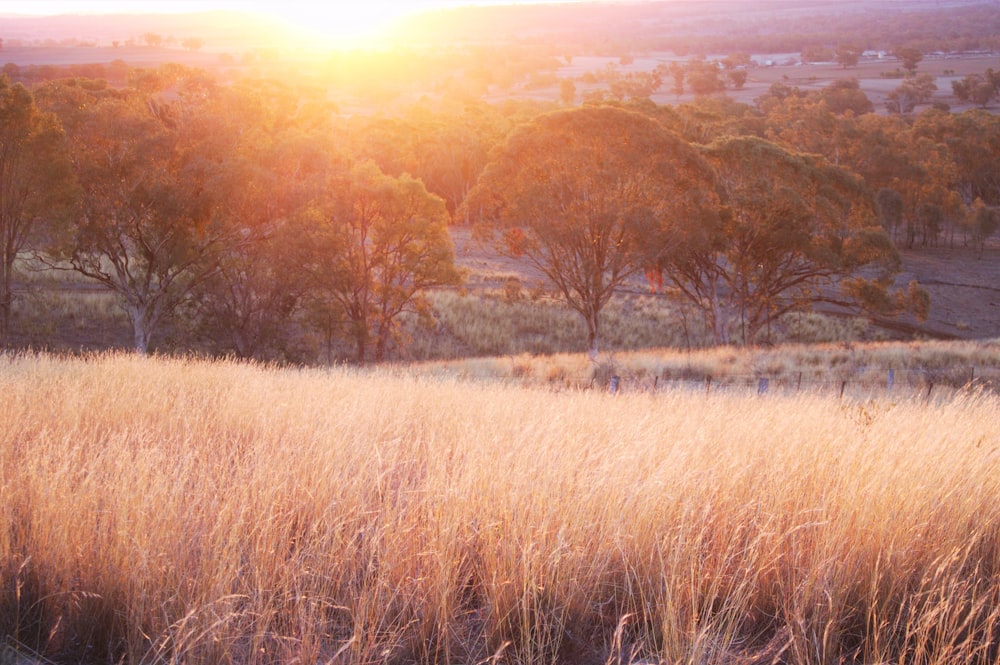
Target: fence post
843, 385
762, 385
708, 384
614, 384
891, 380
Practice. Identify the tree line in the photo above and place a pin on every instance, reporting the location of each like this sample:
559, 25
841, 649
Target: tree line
254, 211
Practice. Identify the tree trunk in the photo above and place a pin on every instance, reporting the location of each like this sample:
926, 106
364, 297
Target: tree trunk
593, 336
720, 322
6, 295
141, 330
360, 341
381, 342
5, 310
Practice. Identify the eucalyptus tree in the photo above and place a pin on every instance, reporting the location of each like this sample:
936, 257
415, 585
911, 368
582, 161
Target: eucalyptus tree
259, 144
798, 231
377, 244
36, 184
145, 227
588, 196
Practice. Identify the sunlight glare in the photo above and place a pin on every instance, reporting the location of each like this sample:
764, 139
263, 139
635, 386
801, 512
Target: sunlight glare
346, 25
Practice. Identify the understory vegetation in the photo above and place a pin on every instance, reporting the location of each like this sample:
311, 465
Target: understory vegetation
173, 510
72, 315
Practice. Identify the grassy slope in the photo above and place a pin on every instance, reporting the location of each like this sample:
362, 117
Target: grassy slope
179, 511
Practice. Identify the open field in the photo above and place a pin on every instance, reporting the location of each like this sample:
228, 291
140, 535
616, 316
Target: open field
174, 511
787, 68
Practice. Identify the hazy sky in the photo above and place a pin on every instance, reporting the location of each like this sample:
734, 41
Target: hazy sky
355, 21
395, 7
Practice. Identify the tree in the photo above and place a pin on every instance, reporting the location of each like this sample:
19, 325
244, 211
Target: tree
909, 57
913, 91
145, 228
890, 209
847, 55
980, 89
35, 181
452, 149
587, 196
633, 85
260, 148
677, 73
845, 95
972, 139
379, 243
703, 78
984, 222
738, 77
247, 306
797, 226
737, 61
447, 148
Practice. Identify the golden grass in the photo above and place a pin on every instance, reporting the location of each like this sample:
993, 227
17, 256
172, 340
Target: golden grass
176, 511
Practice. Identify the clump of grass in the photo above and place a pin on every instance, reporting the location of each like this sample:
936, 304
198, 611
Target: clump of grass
168, 510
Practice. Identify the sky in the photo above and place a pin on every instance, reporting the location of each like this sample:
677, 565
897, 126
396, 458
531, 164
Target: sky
355, 19
42, 7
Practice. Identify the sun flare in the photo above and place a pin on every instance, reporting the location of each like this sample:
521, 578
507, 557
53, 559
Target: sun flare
343, 25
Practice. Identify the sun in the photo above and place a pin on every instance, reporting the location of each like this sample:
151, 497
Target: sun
364, 24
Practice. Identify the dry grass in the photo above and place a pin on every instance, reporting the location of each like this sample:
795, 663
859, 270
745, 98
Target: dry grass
513, 320
174, 511
861, 368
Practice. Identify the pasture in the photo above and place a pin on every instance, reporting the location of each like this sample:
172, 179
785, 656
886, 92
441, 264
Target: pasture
174, 510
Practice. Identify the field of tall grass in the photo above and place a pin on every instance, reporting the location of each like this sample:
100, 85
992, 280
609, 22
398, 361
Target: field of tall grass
179, 511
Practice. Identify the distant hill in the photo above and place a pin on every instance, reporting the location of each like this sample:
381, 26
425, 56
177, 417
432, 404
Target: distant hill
720, 26
684, 26
218, 30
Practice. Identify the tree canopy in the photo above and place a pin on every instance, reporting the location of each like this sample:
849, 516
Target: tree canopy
36, 184
378, 243
795, 227
584, 194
